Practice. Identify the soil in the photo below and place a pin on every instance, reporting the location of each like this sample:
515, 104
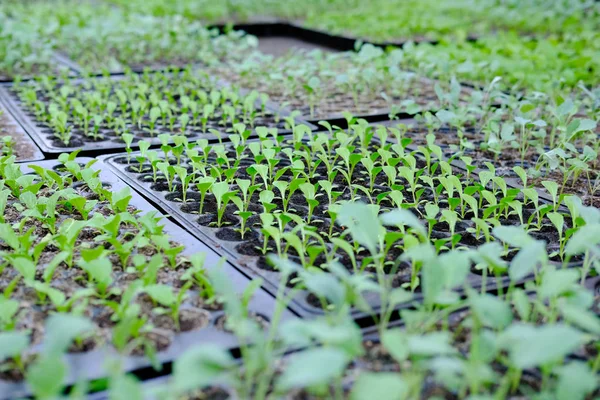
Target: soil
210, 393
24, 149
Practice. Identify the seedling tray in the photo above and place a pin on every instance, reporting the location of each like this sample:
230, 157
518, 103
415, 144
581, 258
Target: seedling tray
505, 172
374, 360
43, 135
62, 63
92, 365
240, 252
335, 104
25, 149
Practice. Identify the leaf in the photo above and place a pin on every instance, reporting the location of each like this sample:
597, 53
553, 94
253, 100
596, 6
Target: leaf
202, 366
313, 367
8, 308
99, 269
219, 189
325, 285
567, 107
162, 294
120, 200
61, 329
154, 114
456, 266
12, 343
25, 266
363, 224
527, 259
531, 346
556, 219
514, 236
125, 387
584, 239
575, 381
582, 318
399, 296
430, 344
446, 117
284, 265
403, 217
492, 311
557, 282
585, 125
380, 386
395, 342
551, 187
46, 376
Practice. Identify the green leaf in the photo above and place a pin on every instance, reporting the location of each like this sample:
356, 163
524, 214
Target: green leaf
46, 376
430, 344
584, 319
527, 259
162, 294
25, 266
575, 381
380, 386
491, 311
514, 236
363, 224
403, 217
446, 117
399, 296
100, 270
456, 266
219, 190
8, 309
202, 366
585, 125
313, 367
584, 239
395, 342
557, 282
12, 344
125, 387
325, 285
531, 346
61, 329
154, 114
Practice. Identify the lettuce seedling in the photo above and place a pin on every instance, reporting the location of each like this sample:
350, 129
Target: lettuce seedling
163, 295
223, 195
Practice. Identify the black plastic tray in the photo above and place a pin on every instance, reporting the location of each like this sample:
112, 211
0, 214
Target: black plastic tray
249, 264
92, 365
284, 29
110, 145
21, 137
297, 29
